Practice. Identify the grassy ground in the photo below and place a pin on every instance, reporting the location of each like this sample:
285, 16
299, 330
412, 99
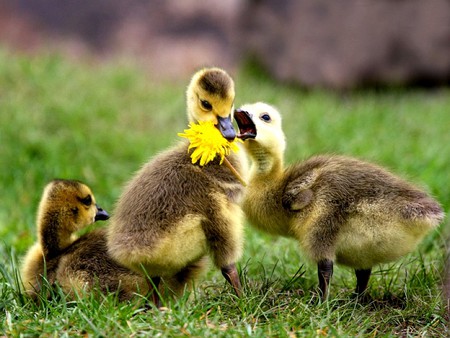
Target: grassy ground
100, 123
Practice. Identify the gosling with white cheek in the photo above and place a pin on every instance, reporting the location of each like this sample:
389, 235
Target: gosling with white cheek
75, 264
339, 209
173, 213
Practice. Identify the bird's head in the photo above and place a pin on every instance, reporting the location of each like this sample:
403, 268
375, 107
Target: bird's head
71, 204
261, 128
210, 97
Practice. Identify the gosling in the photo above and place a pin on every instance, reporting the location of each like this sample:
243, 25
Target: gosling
173, 214
76, 265
339, 209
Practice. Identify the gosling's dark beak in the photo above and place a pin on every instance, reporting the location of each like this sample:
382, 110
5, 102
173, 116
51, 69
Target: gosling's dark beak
226, 128
101, 214
247, 128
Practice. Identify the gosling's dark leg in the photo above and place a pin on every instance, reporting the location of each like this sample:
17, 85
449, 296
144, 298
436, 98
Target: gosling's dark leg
153, 284
187, 276
362, 279
325, 271
231, 275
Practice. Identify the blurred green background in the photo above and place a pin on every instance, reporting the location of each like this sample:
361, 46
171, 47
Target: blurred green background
100, 123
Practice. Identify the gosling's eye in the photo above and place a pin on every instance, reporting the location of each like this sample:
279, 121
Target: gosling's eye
87, 201
265, 117
206, 105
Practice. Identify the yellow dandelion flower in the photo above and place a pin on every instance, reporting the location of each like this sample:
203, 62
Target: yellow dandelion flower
208, 142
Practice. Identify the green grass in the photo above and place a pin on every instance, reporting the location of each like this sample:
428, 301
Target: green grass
100, 123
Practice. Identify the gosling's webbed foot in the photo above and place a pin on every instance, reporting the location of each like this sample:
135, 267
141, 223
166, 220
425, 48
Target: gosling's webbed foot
363, 298
325, 271
231, 275
153, 290
362, 280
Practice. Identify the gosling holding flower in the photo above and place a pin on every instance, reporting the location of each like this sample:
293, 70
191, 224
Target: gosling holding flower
176, 211
208, 143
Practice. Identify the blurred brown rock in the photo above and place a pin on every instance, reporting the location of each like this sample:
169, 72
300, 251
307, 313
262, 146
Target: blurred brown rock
170, 38
348, 43
337, 44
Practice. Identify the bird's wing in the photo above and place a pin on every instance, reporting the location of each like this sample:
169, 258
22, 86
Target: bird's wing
298, 193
